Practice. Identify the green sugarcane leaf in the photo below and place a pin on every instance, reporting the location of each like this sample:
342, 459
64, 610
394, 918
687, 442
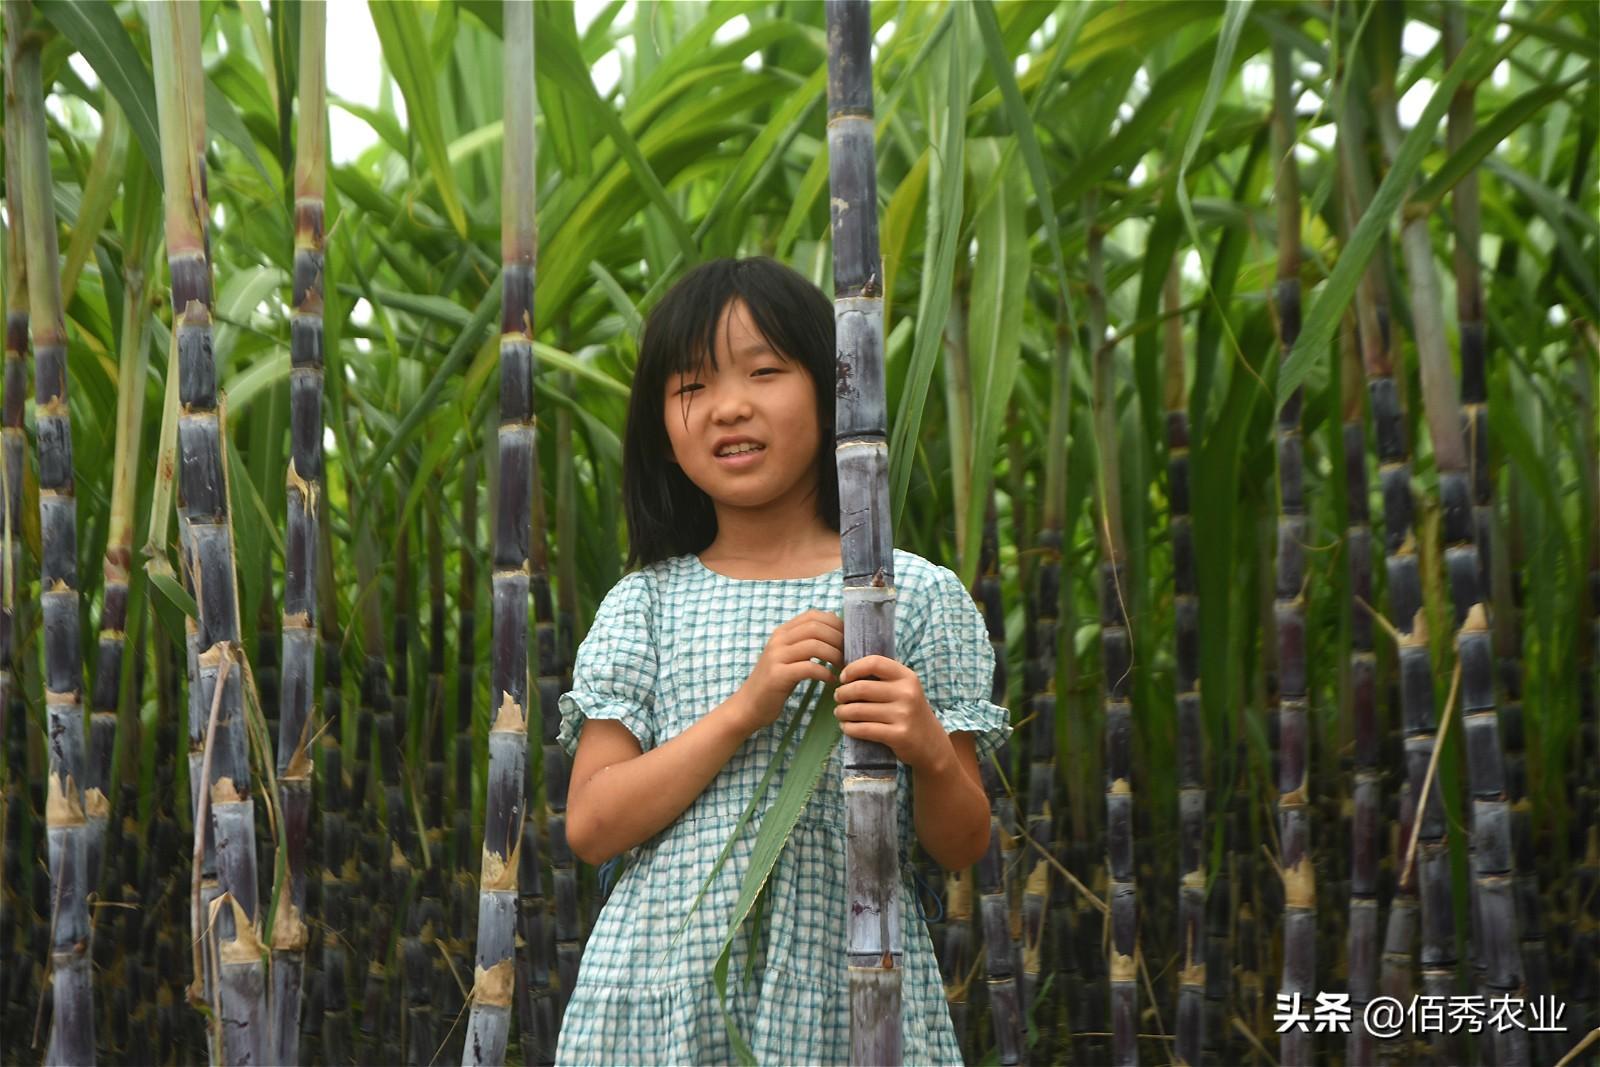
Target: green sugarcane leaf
565, 128
1021, 121
563, 62
161, 493
236, 304
1486, 139
260, 376
169, 587
811, 759
466, 343
950, 90
385, 125
444, 311
1322, 318
405, 50
617, 295
898, 222
784, 741
95, 30
994, 325
223, 120
99, 192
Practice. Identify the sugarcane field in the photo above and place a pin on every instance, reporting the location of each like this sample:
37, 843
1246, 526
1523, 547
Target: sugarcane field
428, 426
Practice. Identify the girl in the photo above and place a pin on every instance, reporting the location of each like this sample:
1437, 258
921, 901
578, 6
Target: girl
693, 668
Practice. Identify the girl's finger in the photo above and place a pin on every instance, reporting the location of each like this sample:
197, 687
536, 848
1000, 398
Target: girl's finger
855, 711
866, 691
881, 667
815, 648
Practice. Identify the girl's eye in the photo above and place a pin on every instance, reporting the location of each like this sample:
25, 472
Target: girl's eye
688, 387
758, 370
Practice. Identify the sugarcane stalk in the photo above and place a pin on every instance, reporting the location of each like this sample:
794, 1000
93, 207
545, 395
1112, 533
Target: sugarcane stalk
1190, 1026
1367, 783
203, 493
546, 1007
556, 957
1492, 857
1037, 960
385, 863
552, 979
488, 1026
1395, 977
13, 445
462, 930
1289, 605
873, 924
1001, 958
1116, 652
303, 490
72, 1024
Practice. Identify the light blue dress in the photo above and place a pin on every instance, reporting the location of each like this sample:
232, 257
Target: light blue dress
670, 642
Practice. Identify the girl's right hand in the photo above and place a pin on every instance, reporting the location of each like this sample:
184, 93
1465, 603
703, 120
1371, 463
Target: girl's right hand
786, 662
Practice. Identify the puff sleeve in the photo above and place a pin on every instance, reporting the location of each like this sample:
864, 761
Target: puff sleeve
614, 676
954, 661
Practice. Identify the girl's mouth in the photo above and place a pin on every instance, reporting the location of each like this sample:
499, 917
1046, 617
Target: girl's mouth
742, 459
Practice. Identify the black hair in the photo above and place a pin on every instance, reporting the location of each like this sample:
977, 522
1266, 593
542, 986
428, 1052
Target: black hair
668, 515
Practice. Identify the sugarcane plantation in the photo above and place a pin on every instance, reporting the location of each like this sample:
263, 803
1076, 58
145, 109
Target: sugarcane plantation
800, 531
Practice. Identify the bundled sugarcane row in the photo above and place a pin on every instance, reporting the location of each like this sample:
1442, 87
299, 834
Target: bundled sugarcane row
303, 491
203, 494
488, 1027
1430, 871
1191, 1015
72, 1033
873, 934
1289, 605
1498, 947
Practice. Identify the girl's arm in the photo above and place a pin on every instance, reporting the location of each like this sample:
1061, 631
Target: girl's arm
950, 808
619, 797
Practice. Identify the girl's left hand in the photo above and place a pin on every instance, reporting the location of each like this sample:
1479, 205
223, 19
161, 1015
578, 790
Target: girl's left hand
880, 699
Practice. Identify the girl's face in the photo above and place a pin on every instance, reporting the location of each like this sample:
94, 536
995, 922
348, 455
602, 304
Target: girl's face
753, 398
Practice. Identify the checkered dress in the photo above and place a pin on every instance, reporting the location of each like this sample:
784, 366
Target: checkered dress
669, 643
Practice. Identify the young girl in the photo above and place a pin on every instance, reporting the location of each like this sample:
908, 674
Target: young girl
698, 660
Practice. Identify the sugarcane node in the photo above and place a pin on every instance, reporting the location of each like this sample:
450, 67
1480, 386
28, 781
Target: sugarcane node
498, 873
494, 985
289, 930
71, 696
1122, 967
62, 807
510, 717
225, 791
95, 804
1418, 637
1300, 884
1120, 786
246, 946
1477, 620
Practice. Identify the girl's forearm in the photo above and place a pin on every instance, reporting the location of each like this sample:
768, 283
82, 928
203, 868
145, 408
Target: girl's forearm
631, 801
951, 814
